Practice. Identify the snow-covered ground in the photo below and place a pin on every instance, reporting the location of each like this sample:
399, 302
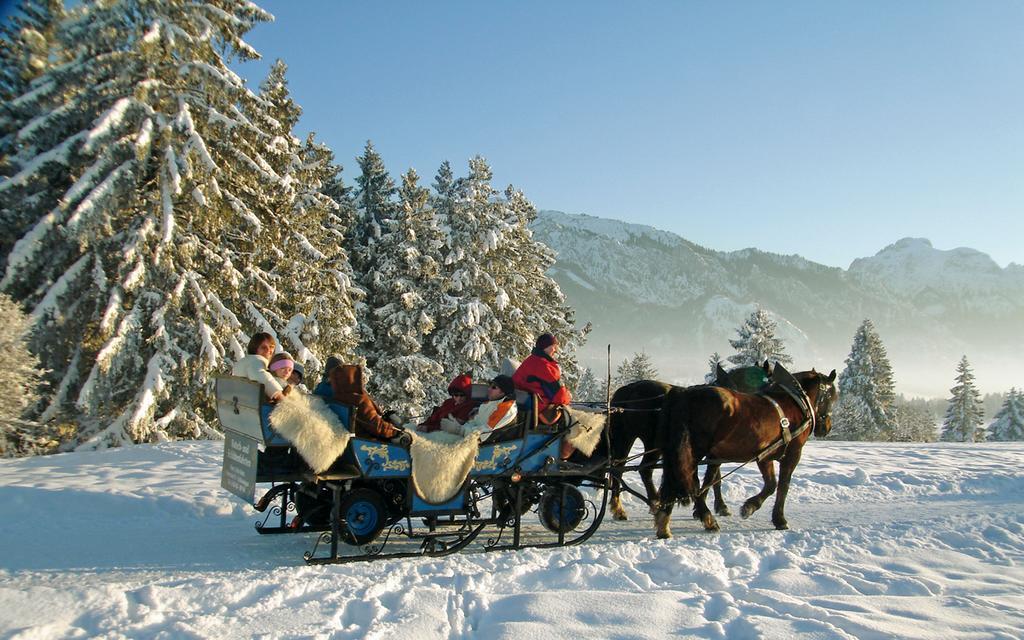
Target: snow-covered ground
888, 541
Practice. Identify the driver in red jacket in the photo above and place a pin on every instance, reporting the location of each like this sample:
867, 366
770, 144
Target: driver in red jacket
541, 375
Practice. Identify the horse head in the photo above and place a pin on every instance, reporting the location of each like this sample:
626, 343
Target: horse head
822, 392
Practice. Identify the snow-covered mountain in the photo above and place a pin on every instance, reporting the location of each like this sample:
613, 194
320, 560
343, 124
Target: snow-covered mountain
651, 290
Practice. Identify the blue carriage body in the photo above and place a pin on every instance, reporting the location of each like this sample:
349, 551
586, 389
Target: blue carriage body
245, 415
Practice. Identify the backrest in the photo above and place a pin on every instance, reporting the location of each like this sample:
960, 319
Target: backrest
238, 405
526, 404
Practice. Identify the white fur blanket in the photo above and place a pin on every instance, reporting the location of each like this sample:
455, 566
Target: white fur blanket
313, 429
440, 463
586, 429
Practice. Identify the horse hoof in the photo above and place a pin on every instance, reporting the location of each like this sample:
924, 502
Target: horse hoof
724, 511
664, 535
710, 524
782, 526
619, 516
747, 511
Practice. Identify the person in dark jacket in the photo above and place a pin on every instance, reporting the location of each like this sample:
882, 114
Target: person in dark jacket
458, 406
347, 383
323, 388
540, 374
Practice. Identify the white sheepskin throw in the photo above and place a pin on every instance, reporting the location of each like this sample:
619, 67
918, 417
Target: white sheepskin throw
586, 429
312, 428
440, 464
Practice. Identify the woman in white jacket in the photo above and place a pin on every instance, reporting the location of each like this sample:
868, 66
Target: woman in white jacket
254, 366
498, 411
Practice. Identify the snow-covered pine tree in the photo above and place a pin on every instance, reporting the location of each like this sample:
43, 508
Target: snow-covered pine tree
29, 48
757, 341
19, 377
589, 388
639, 367
530, 302
866, 386
467, 325
964, 412
399, 279
714, 362
146, 272
374, 201
318, 312
1009, 421
915, 421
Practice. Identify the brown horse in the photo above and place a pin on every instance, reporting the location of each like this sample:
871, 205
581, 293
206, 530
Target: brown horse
723, 425
639, 417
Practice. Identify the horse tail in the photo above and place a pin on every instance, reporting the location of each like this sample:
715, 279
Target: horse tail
674, 438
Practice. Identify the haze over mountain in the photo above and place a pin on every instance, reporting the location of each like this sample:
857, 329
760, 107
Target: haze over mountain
650, 290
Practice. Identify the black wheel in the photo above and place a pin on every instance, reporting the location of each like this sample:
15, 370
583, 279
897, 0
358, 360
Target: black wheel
362, 511
561, 508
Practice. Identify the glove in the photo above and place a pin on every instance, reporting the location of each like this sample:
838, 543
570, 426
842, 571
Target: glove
451, 425
402, 439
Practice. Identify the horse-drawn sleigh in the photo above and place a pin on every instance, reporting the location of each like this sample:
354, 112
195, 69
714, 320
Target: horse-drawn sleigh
378, 499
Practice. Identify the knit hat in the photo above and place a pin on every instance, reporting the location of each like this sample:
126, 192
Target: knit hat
505, 384
546, 340
461, 384
332, 361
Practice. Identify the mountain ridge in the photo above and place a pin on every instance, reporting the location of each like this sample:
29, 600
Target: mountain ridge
645, 289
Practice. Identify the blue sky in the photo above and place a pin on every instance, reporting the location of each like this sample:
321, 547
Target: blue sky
827, 129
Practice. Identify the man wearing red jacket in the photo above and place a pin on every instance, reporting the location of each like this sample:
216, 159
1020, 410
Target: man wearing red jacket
541, 375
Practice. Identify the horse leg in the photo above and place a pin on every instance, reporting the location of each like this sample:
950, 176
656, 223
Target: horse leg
786, 467
688, 466
680, 478
713, 475
754, 503
615, 506
647, 476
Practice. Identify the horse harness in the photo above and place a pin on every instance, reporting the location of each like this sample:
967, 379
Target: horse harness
803, 402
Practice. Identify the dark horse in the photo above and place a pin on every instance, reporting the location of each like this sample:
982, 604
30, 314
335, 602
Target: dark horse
723, 425
639, 407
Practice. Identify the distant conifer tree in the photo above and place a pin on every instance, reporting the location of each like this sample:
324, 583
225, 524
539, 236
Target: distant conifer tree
964, 412
639, 367
915, 421
866, 409
1009, 421
757, 341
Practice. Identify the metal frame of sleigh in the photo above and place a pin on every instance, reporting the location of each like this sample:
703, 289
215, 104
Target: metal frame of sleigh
368, 504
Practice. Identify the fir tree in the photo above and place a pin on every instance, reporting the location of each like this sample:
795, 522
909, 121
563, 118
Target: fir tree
29, 51
714, 362
19, 377
1009, 421
963, 413
757, 342
589, 388
639, 367
467, 323
169, 215
915, 421
866, 409
374, 203
404, 376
